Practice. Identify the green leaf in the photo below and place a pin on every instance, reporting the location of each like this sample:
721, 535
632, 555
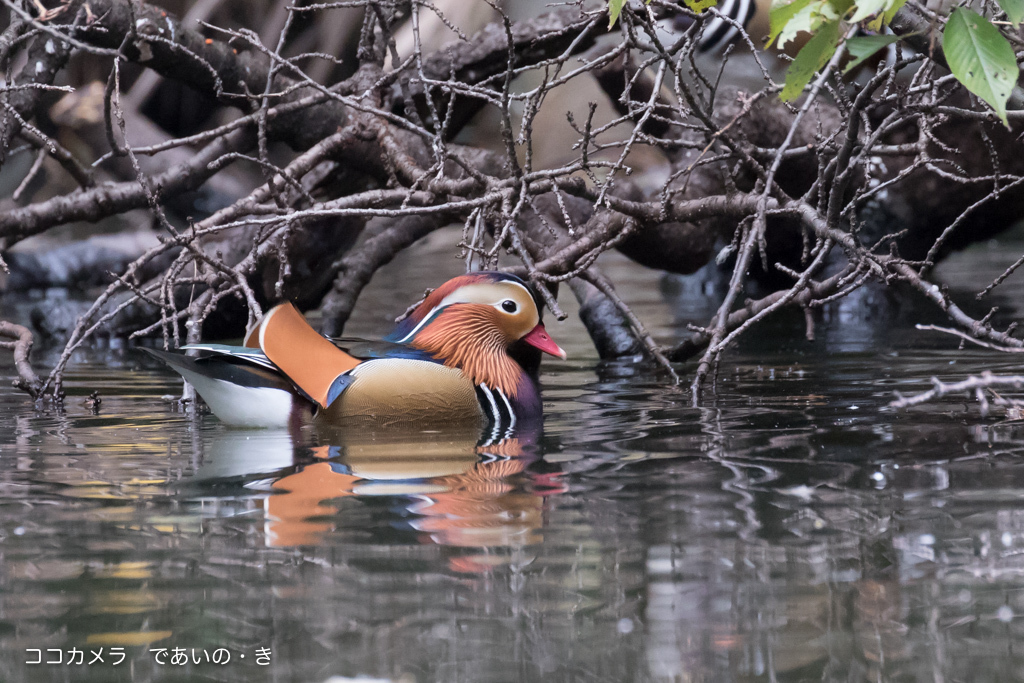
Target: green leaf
862, 47
614, 10
885, 18
780, 15
841, 6
1014, 10
980, 58
868, 8
699, 6
814, 55
891, 12
808, 19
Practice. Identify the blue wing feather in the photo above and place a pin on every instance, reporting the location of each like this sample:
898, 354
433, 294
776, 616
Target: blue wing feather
365, 349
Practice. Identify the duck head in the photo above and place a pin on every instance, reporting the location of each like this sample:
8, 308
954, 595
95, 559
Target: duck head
485, 323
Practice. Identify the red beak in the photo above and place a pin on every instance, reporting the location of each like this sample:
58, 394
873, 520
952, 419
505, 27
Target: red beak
539, 338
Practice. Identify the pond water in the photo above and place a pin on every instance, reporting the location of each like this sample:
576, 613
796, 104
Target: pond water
794, 528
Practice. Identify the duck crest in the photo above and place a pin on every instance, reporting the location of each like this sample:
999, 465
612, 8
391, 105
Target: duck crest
408, 326
468, 338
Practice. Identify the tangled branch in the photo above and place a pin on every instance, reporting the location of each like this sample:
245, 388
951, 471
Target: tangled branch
323, 169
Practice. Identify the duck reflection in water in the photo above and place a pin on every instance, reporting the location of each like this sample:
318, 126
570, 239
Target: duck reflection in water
453, 496
452, 487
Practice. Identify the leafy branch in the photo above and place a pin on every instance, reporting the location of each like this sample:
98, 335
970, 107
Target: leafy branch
696, 6
979, 55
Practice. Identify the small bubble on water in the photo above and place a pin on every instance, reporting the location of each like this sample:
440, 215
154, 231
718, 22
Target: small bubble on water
1007, 539
625, 626
1004, 614
19, 531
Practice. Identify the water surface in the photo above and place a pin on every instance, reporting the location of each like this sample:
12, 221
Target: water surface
794, 528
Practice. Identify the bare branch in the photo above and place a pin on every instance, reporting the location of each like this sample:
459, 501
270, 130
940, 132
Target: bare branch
27, 380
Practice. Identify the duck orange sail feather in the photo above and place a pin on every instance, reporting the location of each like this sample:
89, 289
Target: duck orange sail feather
308, 359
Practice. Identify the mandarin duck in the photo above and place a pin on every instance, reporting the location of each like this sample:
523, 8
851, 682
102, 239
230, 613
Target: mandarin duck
467, 355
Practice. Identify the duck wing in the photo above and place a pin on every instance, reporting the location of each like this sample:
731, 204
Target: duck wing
370, 349
220, 362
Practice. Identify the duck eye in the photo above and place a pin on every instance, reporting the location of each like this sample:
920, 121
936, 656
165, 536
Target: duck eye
509, 306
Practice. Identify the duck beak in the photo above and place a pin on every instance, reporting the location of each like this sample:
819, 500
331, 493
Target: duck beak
538, 337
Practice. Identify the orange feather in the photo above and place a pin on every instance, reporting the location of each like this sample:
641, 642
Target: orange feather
310, 361
469, 337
